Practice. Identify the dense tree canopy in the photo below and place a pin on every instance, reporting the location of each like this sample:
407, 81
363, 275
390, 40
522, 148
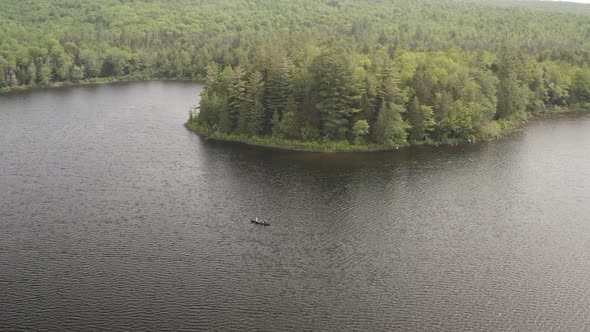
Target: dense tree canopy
374, 71
391, 97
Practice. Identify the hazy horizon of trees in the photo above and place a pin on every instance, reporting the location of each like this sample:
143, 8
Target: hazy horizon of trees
69, 40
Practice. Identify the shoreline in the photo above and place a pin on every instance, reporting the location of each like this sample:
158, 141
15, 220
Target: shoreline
295, 145
325, 147
298, 146
280, 147
96, 81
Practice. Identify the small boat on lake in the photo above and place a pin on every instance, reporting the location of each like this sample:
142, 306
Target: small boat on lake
260, 222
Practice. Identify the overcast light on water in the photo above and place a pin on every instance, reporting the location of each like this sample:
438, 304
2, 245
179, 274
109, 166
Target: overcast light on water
113, 216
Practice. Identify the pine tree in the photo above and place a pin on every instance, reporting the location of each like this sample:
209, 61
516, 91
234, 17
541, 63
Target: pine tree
390, 128
277, 84
421, 120
237, 102
359, 130
338, 93
32, 71
255, 112
512, 93
212, 80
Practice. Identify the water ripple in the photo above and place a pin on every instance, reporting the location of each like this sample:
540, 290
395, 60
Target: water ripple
114, 217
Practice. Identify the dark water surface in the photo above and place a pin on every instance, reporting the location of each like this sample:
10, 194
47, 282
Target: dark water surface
114, 217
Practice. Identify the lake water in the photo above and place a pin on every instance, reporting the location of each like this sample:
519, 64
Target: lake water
113, 216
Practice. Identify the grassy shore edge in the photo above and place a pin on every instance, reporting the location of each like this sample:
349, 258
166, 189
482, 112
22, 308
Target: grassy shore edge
345, 147
287, 145
94, 81
295, 145
315, 146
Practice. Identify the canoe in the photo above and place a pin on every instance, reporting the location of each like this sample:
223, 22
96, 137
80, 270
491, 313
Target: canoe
260, 222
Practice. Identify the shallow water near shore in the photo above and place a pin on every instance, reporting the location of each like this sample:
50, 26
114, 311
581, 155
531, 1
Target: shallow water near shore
113, 216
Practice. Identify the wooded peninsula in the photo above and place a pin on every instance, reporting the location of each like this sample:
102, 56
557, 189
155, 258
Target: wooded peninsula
326, 75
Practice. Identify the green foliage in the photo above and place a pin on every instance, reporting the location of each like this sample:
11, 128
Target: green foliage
461, 122
284, 127
45, 75
359, 130
90, 61
310, 133
336, 92
76, 74
421, 121
581, 85
372, 73
513, 93
390, 128
277, 73
255, 112
237, 103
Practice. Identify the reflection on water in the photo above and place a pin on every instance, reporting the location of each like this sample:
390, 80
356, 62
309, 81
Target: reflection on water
114, 216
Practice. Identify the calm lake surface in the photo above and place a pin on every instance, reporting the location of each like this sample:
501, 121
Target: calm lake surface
113, 216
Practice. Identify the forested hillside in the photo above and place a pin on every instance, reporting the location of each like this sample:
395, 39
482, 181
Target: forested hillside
69, 40
384, 72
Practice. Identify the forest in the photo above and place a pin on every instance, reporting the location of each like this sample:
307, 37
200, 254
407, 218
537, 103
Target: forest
332, 74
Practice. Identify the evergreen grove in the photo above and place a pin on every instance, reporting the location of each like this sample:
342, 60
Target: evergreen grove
379, 97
